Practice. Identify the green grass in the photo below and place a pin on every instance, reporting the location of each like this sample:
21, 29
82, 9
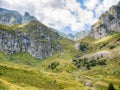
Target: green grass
22, 71
95, 45
24, 77
3, 86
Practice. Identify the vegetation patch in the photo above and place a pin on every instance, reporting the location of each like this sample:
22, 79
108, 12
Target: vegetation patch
53, 65
83, 47
111, 17
112, 47
85, 63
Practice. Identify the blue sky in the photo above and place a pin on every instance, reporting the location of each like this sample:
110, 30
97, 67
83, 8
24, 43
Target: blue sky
68, 16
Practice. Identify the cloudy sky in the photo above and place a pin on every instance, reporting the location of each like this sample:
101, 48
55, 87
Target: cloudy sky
69, 16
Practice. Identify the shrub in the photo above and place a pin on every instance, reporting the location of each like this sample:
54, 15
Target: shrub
81, 63
118, 39
103, 45
112, 47
111, 17
53, 65
83, 47
111, 87
101, 62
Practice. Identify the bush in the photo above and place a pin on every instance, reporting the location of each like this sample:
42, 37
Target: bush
81, 63
111, 17
53, 65
111, 87
101, 62
118, 39
103, 45
112, 47
83, 47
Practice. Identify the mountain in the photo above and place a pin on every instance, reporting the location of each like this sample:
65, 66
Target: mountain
100, 50
108, 21
71, 36
75, 37
80, 35
91, 63
34, 38
27, 18
29, 35
10, 17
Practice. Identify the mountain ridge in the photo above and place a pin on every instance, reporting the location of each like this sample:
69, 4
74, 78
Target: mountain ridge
38, 42
11, 17
107, 22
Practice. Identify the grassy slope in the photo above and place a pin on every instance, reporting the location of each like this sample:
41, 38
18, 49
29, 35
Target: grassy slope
102, 76
24, 72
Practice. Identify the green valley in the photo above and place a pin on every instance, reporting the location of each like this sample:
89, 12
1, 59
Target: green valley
34, 56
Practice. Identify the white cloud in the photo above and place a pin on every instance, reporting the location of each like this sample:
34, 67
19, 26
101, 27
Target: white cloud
105, 5
61, 13
91, 4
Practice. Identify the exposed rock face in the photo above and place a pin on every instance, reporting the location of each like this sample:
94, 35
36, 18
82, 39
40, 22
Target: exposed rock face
9, 17
34, 38
109, 21
27, 18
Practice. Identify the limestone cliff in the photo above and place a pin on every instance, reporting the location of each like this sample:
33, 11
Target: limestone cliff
34, 38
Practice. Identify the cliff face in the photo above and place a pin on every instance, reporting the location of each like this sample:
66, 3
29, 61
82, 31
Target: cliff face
27, 18
9, 17
109, 21
34, 38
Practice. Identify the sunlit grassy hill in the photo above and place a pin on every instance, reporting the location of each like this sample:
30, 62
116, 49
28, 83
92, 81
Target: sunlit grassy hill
58, 72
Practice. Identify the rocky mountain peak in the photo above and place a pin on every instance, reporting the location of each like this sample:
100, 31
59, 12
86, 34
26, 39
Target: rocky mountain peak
33, 37
27, 18
108, 21
10, 17
26, 14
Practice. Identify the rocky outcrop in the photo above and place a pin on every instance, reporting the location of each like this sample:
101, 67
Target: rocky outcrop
9, 17
27, 18
109, 21
34, 38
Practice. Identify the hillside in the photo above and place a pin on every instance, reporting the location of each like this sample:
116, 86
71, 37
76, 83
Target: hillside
35, 57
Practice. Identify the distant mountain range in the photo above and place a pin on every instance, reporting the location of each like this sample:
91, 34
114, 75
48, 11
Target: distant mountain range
10, 17
76, 36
